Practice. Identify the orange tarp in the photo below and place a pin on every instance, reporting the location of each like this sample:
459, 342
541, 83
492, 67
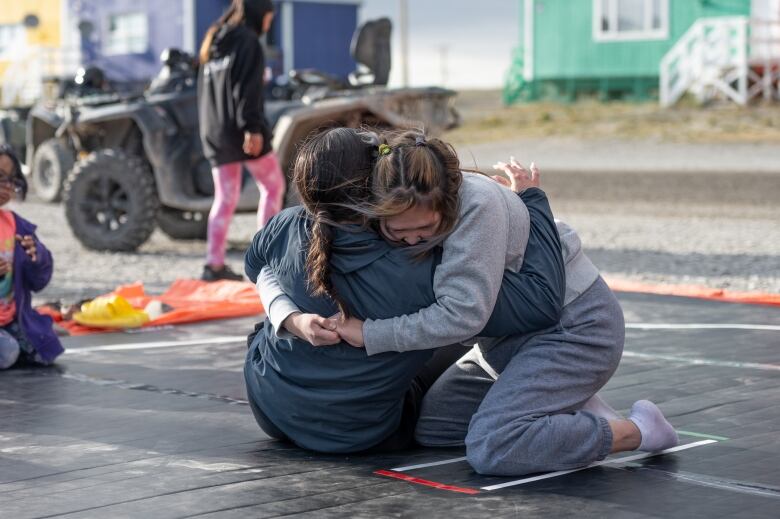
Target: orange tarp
699, 292
192, 300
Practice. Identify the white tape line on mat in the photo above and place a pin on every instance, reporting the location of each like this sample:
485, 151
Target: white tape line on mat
599, 463
206, 341
432, 464
703, 362
701, 326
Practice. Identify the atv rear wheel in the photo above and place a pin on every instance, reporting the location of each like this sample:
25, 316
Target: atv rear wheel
111, 201
183, 225
51, 163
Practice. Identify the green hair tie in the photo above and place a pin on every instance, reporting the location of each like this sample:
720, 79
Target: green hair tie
384, 149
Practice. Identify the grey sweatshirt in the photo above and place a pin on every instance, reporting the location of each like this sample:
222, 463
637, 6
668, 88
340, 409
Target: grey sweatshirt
491, 236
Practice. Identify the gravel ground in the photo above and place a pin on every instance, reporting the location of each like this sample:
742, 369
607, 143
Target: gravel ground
715, 247
631, 226
80, 273
627, 156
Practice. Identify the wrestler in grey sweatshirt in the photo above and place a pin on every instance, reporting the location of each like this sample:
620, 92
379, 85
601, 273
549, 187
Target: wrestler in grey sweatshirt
491, 236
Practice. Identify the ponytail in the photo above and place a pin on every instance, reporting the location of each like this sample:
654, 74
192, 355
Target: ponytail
249, 12
234, 15
205, 47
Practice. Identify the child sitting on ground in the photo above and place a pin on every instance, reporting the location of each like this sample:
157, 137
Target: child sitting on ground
26, 337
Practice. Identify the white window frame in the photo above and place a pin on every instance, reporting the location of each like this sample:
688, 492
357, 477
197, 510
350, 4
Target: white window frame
113, 50
648, 33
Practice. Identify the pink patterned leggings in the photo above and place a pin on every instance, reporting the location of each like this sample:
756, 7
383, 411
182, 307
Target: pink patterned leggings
227, 189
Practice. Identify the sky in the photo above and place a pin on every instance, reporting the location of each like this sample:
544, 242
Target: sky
453, 43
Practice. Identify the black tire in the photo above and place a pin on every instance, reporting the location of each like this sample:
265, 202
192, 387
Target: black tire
183, 225
111, 201
52, 162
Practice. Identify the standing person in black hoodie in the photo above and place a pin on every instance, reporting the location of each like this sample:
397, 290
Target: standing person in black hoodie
233, 128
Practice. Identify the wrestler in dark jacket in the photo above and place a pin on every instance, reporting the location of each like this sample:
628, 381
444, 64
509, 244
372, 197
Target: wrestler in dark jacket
337, 398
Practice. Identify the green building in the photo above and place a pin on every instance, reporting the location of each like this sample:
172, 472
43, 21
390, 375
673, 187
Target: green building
640, 49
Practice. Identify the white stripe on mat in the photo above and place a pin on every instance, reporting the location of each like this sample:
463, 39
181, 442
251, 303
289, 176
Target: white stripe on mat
703, 362
162, 344
432, 464
701, 326
599, 463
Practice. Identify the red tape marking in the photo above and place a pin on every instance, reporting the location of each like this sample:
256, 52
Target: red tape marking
427, 483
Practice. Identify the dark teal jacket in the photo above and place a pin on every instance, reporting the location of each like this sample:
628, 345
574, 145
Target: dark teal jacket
337, 398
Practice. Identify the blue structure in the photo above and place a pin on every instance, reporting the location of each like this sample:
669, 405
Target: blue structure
126, 37
317, 35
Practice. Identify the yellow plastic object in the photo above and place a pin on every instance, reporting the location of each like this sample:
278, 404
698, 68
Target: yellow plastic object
110, 312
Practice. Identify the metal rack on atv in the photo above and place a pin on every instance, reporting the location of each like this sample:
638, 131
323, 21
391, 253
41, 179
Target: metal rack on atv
139, 160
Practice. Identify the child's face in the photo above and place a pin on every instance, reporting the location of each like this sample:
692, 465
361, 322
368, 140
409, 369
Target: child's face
6, 179
415, 225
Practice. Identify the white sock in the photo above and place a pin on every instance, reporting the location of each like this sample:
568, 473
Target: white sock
599, 407
657, 433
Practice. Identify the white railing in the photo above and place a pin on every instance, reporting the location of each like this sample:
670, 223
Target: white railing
710, 58
733, 57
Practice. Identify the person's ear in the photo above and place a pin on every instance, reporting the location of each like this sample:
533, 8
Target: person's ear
268, 19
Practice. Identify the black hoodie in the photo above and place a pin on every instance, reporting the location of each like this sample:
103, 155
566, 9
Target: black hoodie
230, 91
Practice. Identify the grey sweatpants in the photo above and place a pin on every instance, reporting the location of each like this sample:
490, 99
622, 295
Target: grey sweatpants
528, 419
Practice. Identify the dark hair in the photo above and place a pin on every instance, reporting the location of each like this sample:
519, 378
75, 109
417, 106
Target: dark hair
414, 170
332, 173
247, 12
17, 176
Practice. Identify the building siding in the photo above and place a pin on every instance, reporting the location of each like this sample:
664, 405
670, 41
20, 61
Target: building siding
48, 32
164, 28
320, 33
564, 47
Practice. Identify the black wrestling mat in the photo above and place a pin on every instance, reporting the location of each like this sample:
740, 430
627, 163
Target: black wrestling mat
155, 425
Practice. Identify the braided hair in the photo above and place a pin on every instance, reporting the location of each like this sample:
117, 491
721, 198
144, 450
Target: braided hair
332, 173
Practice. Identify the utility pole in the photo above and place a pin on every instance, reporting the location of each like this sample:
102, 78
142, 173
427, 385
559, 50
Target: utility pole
443, 54
403, 23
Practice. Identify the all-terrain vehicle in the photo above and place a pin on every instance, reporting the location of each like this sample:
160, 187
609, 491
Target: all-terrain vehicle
47, 163
140, 162
47, 149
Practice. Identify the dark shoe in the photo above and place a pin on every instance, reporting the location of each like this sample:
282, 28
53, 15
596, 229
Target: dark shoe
209, 274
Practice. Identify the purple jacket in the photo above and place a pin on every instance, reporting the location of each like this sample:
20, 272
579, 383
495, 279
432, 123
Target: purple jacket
30, 277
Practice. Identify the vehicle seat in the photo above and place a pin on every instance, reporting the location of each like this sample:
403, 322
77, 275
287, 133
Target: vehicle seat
371, 48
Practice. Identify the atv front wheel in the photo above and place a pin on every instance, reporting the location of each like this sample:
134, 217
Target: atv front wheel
183, 225
111, 201
52, 161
